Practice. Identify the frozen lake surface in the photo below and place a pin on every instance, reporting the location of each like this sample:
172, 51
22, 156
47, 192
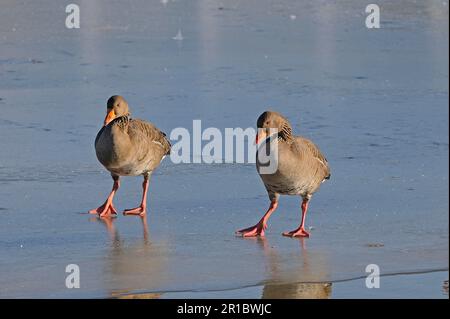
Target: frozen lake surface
375, 101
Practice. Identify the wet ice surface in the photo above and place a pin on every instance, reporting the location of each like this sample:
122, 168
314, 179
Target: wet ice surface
375, 101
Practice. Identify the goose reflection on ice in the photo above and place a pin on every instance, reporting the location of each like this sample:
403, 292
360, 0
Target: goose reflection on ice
302, 280
133, 267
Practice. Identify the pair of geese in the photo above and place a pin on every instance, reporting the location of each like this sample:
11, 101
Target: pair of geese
132, 147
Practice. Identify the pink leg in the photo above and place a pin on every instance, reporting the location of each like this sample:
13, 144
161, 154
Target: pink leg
300, 231
107, 209
260, 227
140, 210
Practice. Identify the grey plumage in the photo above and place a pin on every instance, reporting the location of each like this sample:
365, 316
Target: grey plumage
300, 169
301, 165
129, 146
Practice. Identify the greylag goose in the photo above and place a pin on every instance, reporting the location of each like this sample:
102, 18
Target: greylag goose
128, 147
300, 170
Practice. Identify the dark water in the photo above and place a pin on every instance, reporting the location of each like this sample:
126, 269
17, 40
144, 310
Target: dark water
375, 101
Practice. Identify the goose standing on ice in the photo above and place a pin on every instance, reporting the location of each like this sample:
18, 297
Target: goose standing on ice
128, 147
300, 171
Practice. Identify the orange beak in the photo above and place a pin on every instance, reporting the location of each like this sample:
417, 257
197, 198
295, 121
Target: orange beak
111, 115
260, 135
